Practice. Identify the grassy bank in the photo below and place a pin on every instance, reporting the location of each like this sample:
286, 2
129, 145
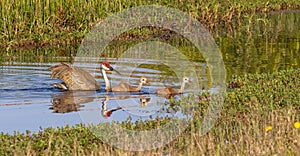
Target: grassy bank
30, 24
257, 119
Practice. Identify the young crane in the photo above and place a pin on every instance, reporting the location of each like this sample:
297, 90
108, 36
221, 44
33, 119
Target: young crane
124, 87
168, 92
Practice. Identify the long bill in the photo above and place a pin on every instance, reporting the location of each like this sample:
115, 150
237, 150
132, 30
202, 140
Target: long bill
112, 69
117, 72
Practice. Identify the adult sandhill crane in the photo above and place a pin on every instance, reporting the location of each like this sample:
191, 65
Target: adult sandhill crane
75, 78
124, 87
167, 92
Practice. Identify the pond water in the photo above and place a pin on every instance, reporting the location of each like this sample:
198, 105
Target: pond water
263, 47
28, 101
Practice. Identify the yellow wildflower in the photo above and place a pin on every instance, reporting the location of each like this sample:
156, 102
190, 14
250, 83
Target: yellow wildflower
268, 128
297, 124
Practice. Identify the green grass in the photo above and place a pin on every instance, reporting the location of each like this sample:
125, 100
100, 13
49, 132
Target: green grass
252, 103
30, 24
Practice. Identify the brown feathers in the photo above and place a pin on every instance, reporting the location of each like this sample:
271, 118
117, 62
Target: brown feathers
74, 78
124, 87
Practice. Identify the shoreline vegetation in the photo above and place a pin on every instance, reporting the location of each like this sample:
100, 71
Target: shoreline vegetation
260, 116
31, 24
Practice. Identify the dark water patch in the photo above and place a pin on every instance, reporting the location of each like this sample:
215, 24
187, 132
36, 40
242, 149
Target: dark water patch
269, 44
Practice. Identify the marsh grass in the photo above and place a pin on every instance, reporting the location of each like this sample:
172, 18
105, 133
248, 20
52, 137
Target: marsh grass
30, 24
253, 102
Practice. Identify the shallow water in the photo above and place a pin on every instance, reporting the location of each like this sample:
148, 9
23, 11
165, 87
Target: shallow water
28, 101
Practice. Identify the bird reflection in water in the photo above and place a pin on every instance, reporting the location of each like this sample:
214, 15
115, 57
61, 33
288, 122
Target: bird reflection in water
144, 101
108, 112
71, 101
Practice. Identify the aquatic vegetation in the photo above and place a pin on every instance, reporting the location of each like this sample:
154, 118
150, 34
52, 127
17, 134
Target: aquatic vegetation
265, 102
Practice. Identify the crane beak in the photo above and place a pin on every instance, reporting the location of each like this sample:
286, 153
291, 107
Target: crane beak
108, 113
112, 69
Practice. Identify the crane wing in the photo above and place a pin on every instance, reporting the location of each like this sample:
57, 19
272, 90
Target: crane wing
75, 78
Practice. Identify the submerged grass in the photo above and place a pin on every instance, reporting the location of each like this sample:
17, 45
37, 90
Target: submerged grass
57, 23
258, 118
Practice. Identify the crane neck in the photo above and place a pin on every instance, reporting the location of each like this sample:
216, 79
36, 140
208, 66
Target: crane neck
182, 87
139, 86
107, 85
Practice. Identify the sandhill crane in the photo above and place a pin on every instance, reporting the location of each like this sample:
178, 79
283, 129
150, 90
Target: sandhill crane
75, 78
